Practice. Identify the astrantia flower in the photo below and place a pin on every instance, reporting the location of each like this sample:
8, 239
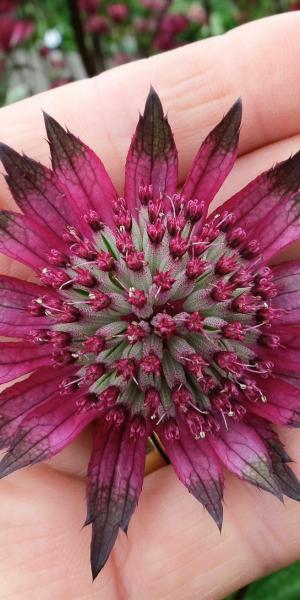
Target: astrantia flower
152, 316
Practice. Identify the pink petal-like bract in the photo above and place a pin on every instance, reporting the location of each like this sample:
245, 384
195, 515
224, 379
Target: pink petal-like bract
151, 317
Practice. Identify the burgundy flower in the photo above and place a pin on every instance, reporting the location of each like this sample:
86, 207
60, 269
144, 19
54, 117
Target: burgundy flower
188, 333
88, 6
13, 32
8, 5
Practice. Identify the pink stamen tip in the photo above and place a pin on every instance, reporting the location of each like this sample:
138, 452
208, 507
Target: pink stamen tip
175, 224
195, 364
196, 267
135, 260
194, 210
182, 397
194, 322
178, 246
246, 304
123, 220
72, 235
95, 344
251, 249
105, 261
99, 301
164, 325
234, 331
61, 357
124, 242
222, 291
226, 264
229, 361
145, 194
92, 373
156, 231
195, 423
126, 368
136, 333
236, 236
93, 220
163, 280
84, 278
57, 258
136, 298
55, 278
151, 364
152, 399
83, 249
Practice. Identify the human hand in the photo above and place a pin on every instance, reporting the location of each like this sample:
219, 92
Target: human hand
173, 549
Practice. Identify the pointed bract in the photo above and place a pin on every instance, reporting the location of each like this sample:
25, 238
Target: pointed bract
268, 207
27, 240
38, 192
17, 400
19, 358
243, 452
214, 159
198, 467
44, 432
152, 156
115, 478
15, 297
282, 405
287, 480
81, 171
287, 281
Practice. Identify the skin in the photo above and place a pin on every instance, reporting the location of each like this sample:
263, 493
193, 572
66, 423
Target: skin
173, 549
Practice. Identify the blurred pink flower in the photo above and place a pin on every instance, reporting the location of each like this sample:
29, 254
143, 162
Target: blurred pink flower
8, 5
142, 25
174, 23
88, 6
155, 5
118, 12
96, 24
13, 32
197, 14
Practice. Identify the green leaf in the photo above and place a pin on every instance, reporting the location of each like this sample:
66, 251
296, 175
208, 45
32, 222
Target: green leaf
282, 585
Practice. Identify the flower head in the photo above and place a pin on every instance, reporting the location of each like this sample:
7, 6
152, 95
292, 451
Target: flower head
152, 316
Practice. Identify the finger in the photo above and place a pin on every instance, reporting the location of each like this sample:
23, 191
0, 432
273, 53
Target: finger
42, 540
173, 547
176, 549
197, 84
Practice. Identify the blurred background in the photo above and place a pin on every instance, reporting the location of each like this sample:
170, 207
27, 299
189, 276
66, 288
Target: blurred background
47, 43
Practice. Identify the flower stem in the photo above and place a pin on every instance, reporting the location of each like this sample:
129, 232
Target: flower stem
160, 448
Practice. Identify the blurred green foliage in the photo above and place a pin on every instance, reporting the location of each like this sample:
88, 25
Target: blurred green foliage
282, 585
